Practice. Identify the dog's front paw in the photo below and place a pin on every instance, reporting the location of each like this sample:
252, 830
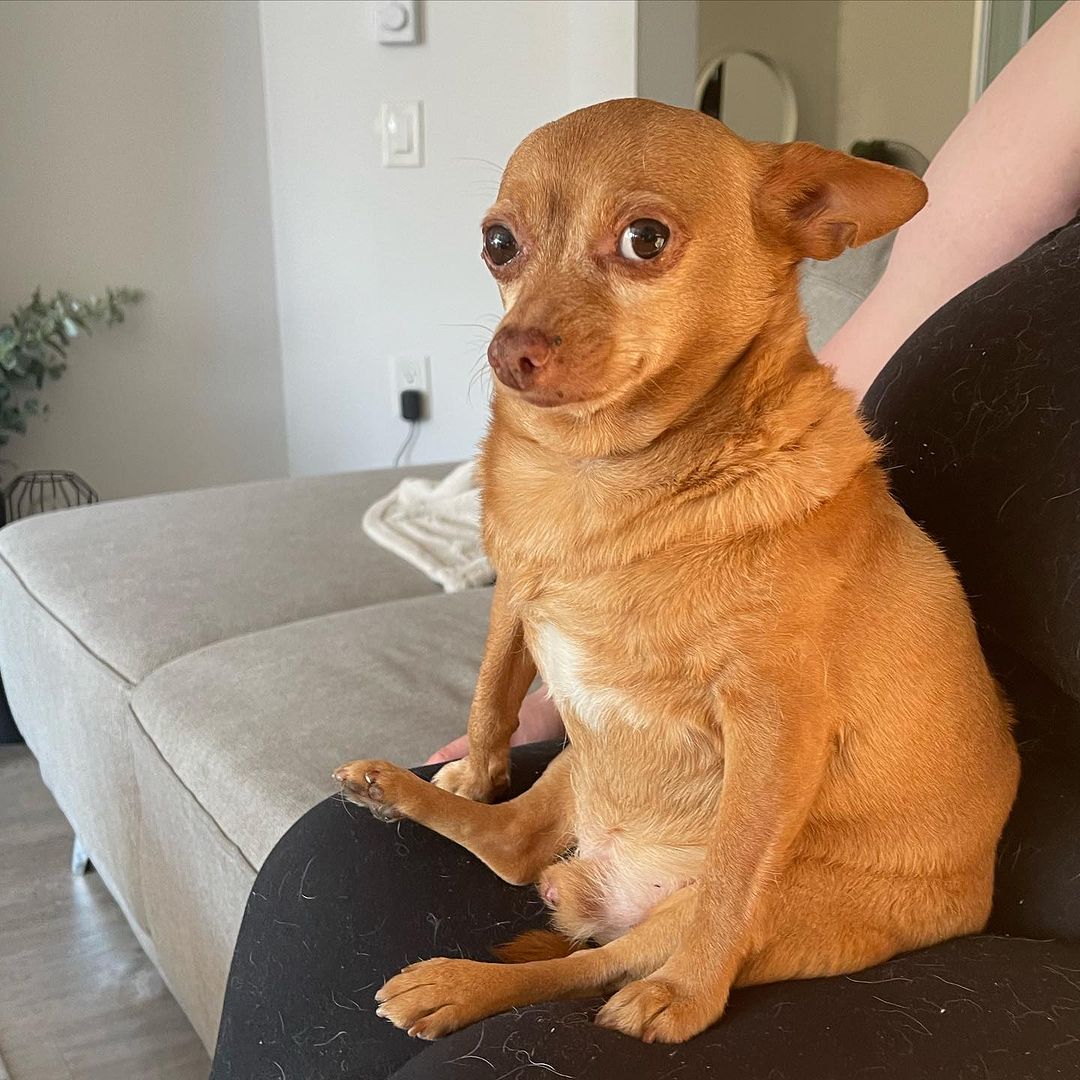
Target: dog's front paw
434, 997
381, 787
464, 779
658, 1010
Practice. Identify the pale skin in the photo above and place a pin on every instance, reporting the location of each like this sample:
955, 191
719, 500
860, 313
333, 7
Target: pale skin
1007, 175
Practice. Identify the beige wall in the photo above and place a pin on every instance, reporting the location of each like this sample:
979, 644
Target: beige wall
904, 69
801, 35
861, 68
134, 152
667, 50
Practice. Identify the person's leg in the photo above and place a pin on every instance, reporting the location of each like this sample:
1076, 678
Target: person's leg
949, 1011
343, 903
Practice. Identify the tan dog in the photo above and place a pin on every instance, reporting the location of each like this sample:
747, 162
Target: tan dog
787, 755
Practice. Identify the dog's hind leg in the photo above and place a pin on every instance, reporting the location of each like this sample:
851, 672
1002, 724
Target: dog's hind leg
824, 919
517, 839
435, 997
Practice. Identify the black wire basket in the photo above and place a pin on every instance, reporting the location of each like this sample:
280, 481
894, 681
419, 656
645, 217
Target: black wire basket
36, 493
43, 490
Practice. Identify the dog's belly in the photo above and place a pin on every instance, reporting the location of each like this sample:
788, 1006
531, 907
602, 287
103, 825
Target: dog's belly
645, 807
609, 886
638, 878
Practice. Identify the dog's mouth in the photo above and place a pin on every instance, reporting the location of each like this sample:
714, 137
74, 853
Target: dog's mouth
530, 383
551, 388
537, 396
541, 397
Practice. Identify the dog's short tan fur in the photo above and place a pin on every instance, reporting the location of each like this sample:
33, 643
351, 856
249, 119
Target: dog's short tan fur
787, 755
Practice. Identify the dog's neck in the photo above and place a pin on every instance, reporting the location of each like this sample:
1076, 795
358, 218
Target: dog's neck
765, 441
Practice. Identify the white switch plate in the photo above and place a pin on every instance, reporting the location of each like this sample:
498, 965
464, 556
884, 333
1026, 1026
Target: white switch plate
395, 22
402, 126
411, 373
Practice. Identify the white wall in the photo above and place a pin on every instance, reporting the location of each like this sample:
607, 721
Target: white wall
134, 152
374, 261
904, 70
142, 158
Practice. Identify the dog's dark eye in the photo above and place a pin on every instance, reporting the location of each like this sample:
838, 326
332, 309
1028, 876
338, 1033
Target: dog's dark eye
643, 239
499, 245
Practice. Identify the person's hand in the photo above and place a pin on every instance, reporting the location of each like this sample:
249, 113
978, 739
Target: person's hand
538, 719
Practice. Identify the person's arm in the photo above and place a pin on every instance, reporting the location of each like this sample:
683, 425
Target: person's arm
1007, 175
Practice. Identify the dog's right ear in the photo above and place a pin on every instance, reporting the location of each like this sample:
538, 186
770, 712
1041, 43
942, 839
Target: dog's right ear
819, 202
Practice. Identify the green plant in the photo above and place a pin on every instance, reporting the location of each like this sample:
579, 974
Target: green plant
34, 344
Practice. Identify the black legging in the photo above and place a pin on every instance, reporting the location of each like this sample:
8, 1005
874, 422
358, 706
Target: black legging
981, 408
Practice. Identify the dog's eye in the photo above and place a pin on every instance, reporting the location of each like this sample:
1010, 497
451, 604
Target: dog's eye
499, 245
643, 239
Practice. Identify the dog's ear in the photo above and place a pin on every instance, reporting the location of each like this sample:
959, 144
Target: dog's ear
819, 202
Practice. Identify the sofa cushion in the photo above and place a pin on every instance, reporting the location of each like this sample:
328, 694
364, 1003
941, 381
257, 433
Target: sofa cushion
253, 726
139, 582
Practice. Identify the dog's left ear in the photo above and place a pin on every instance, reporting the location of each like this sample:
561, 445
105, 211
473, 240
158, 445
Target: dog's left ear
819, 202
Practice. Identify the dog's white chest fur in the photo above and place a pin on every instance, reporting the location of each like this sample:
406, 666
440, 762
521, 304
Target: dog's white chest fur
573, 681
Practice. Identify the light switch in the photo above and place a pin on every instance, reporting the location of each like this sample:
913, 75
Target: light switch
396, 22
402, 134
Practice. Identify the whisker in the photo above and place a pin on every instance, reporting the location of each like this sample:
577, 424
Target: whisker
481, 161
474, 325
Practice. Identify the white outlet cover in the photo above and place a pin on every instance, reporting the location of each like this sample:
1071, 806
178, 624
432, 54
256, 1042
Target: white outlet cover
410, 373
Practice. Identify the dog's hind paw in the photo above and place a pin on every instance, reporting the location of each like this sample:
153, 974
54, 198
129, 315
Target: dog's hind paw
656, 1010
435, 997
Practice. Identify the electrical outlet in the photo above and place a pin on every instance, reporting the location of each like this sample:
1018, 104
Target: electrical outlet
411, 373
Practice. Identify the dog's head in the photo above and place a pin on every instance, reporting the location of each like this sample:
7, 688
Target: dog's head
633, 240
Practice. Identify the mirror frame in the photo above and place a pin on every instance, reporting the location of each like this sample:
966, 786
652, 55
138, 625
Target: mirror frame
790, 119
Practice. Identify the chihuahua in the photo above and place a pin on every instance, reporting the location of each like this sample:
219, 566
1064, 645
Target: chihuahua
787, 757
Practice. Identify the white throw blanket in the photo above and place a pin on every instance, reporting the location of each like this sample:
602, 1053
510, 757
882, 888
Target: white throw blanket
435, 526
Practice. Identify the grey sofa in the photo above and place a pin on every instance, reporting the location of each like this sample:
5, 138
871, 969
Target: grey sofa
189, 668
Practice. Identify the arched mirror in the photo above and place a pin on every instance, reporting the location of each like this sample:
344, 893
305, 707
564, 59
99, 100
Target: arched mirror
750, 93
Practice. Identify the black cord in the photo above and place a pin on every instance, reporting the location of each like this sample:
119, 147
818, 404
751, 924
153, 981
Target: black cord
406, 448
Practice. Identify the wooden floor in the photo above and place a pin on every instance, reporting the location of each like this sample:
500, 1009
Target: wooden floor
78, 998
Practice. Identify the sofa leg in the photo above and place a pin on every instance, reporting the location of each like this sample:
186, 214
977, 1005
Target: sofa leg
80, 859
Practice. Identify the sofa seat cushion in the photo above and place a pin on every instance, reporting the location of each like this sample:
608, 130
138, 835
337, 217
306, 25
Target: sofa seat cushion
253, 726
141, 581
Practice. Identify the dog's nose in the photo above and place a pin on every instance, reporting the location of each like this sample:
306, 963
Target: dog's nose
516, 355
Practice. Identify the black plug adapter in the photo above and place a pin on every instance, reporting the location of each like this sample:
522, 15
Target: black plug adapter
412, 405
